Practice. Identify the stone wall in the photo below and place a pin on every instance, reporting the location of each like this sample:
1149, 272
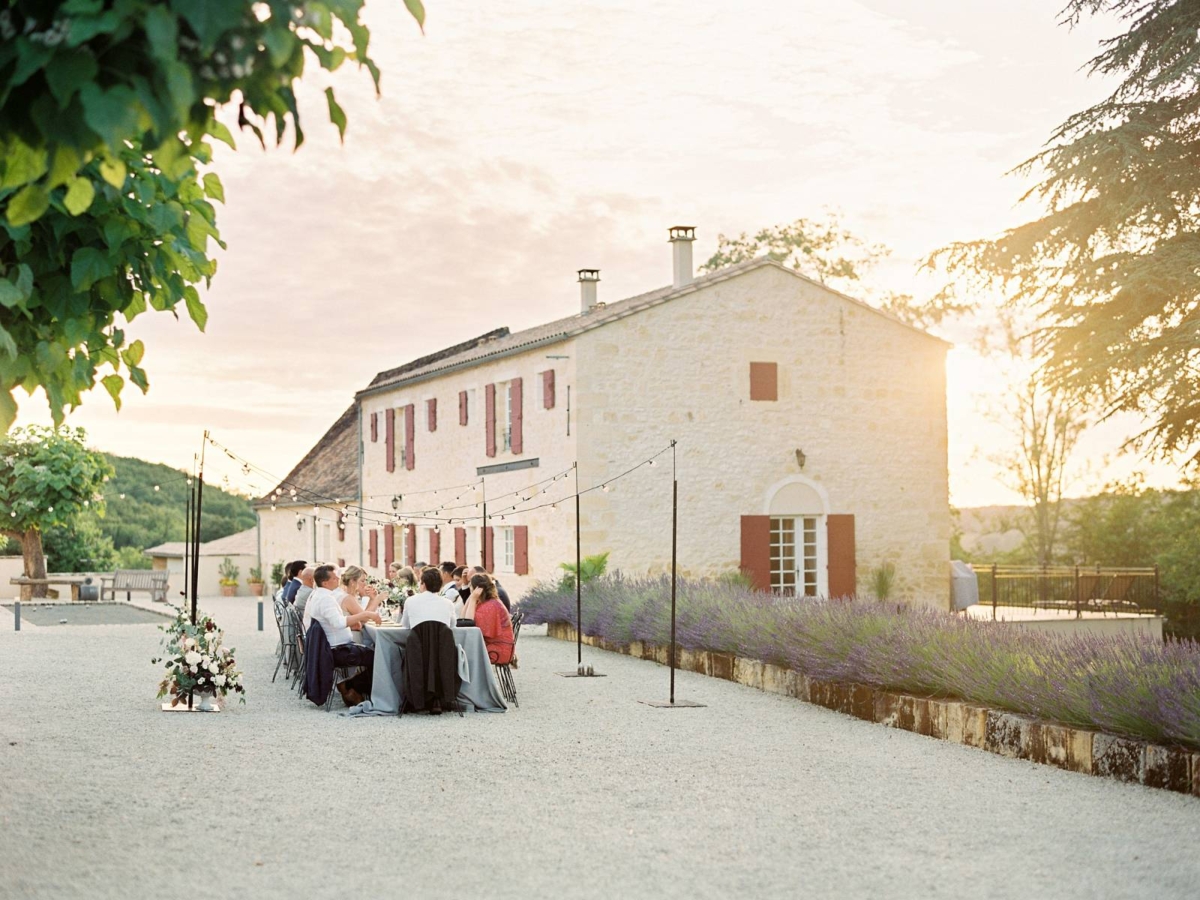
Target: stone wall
282, 542
862, 395
996, 731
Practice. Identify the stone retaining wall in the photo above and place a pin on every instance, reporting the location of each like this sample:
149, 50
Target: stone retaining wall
994, 730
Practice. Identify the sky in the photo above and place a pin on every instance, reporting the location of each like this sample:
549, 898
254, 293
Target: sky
516, 143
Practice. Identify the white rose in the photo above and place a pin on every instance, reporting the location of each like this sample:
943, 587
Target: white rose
213, 667
224, 651
191, 658
192, 669
219, 680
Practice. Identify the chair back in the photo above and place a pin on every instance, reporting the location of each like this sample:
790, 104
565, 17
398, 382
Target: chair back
517, 618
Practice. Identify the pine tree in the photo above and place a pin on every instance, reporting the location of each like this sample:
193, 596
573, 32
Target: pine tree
1112, 265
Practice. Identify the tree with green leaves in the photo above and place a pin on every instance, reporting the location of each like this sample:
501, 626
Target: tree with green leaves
48, 477
826, 251
107, 110
1110, 262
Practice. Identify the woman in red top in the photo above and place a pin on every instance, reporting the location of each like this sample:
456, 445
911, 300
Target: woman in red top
491, 618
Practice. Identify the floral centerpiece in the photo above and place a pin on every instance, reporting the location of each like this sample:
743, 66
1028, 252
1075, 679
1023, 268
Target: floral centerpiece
391, 595
196, 661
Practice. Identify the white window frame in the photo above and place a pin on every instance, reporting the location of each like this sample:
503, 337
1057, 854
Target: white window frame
504, 417
506, 551
804, 571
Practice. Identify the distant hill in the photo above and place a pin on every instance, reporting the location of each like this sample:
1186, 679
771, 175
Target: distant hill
146, 517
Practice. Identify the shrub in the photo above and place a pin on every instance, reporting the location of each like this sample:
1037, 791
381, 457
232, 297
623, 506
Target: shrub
883, 579
593, 567
1131, 685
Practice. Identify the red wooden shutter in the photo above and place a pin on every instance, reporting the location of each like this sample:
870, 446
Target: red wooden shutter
410, 545
373, 547
435, 547
517, 422
756, 550
489, 546
460, 546
489, 415
842, 575
462, 407
389, 544
764, 381
341, 523
374, 427
389, 438
342, 561
431, 412
521, 549
409, 427
548, 389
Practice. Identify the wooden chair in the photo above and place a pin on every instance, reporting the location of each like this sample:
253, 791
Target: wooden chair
503, 672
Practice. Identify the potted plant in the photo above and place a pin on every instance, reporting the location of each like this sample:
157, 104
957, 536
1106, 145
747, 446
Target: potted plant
277, 575
255, 580
229, 577
196, 663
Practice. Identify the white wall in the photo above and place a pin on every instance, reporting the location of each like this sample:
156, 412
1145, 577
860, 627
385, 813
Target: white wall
283, 542
450, 455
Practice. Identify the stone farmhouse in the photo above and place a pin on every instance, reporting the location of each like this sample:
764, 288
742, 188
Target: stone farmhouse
811, 432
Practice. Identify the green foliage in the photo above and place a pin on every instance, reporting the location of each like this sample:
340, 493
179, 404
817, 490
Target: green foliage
255, 576
593, 567
131, 558
882, 580
106, 111
229, 571
144, 517
84, 79
736, 578
832, 254
68, 283
1109, 262
48, 476
79, 547
277, 574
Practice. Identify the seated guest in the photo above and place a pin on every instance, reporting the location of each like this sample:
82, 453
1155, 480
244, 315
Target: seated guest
429, 605
292, 585
462, 582
323, 607
450, 587
492, 619
354, 590
480, 570
306, 588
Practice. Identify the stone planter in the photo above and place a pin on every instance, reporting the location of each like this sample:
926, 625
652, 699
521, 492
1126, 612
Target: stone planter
994, 730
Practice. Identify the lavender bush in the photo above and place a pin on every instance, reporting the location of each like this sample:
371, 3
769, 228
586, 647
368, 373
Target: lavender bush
1130, 685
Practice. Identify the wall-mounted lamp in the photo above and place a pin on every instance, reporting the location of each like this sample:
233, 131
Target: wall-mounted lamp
396, 502
800, 458
299, 524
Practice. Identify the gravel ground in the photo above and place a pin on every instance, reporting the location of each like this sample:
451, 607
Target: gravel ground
582, 792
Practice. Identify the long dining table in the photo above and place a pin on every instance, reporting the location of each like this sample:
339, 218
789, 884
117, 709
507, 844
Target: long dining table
479, 690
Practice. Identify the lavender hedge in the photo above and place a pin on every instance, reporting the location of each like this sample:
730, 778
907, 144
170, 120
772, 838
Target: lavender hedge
1131, 685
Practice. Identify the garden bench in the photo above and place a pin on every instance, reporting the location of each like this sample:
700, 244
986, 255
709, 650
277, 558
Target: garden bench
129, 580
27, 584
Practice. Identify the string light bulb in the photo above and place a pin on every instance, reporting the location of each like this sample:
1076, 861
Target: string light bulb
156, 487
604, 487
553, 507
652, 463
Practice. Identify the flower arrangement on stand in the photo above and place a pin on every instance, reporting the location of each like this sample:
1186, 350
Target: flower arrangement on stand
197, 662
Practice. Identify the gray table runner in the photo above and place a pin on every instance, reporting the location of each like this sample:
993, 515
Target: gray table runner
480, 692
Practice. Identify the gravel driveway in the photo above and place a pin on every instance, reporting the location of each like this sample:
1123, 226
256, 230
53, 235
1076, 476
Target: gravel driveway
582, 792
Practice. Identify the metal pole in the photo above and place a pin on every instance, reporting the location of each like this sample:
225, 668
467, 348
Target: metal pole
993, 592
1157, 608
483, 527
17, 614
260, 615
187, 539
196, 541
674, 533
578, 577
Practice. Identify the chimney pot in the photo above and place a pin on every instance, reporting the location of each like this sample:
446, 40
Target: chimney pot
681, 237
588, 279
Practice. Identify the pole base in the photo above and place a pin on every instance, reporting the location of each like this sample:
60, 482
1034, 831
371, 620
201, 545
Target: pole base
581, 674
678, 704
183, 707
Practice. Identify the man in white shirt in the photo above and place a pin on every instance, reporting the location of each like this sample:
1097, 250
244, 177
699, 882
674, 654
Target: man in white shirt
429, 605
323, 607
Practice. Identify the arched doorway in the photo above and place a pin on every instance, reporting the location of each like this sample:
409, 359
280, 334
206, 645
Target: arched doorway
798, 509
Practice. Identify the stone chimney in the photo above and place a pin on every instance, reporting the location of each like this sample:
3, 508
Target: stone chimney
681, 254
588, 279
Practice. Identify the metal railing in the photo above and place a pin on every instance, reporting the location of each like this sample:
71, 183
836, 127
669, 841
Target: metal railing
1094, 589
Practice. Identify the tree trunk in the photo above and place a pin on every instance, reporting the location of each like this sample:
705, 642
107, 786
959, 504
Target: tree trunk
35, 561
